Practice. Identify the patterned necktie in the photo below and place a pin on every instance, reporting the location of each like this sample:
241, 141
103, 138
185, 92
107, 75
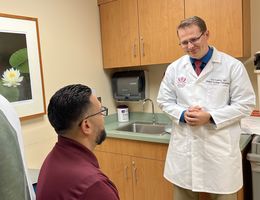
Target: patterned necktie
197, 67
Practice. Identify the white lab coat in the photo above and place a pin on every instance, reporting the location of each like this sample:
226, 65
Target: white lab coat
14, 121
206, 158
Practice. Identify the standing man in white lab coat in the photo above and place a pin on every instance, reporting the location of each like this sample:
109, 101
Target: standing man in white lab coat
15, 183
206, 92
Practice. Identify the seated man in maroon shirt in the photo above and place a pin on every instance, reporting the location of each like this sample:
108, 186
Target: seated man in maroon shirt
71, 170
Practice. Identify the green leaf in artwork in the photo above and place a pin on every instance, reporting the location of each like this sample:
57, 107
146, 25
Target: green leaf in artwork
19, 60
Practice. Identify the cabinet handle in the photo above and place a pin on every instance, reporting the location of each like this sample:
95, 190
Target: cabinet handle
134, 171
134, 50
126, 174
142, 46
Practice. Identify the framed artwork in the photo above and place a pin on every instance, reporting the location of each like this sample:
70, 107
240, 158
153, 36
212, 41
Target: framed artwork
21, 81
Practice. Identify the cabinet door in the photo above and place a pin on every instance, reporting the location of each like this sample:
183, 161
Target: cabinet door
118, 168
148, 180
119, 33
157, 24
227, 21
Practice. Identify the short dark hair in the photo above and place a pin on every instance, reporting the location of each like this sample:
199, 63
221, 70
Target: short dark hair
194, 20
68, 105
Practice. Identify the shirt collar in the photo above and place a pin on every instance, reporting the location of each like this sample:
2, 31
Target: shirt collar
205, 59
78, 148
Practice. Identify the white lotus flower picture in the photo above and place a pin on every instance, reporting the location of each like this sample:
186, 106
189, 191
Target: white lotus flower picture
12, 78
21, 78
15, 81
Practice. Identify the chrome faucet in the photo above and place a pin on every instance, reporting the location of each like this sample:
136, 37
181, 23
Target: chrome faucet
144, 101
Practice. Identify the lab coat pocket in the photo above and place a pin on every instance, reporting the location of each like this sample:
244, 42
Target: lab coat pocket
218, 143
179, 140
217, 95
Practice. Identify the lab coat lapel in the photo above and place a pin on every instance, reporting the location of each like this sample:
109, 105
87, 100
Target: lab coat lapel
216, 58
189, 68
207, 69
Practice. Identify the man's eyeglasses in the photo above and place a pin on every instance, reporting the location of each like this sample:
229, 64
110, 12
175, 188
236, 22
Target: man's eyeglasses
103, 111
192, 41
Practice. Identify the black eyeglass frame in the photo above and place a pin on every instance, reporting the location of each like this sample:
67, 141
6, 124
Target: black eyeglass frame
103, 111
192, 41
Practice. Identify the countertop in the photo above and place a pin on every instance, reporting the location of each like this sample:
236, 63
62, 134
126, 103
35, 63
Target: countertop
111, 124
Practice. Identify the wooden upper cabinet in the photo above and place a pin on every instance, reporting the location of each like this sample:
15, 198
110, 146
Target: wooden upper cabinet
104, 1
228, 23
158, 20
119, 33
143, 32
140, 32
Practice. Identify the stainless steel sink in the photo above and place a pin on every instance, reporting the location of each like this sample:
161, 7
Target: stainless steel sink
143, 127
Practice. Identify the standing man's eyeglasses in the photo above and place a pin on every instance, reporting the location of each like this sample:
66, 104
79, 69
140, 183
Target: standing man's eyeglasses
192, 41
103, 111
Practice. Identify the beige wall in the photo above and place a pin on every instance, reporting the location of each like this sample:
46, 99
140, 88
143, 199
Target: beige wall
71, 53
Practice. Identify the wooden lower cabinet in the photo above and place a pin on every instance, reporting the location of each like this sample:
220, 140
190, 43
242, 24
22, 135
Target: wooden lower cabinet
148, 180
118, 168
136, 176
136, 168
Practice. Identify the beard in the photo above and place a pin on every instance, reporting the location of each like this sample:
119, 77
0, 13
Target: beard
101, 137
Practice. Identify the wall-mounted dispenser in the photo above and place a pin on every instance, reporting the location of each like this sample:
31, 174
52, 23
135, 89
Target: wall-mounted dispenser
257, 72
130, 85
257, 60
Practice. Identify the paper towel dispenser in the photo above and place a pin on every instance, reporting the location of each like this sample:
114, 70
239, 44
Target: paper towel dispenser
130, 85
257, 60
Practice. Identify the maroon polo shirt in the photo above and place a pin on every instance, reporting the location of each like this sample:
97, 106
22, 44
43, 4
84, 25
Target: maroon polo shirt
71, 172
